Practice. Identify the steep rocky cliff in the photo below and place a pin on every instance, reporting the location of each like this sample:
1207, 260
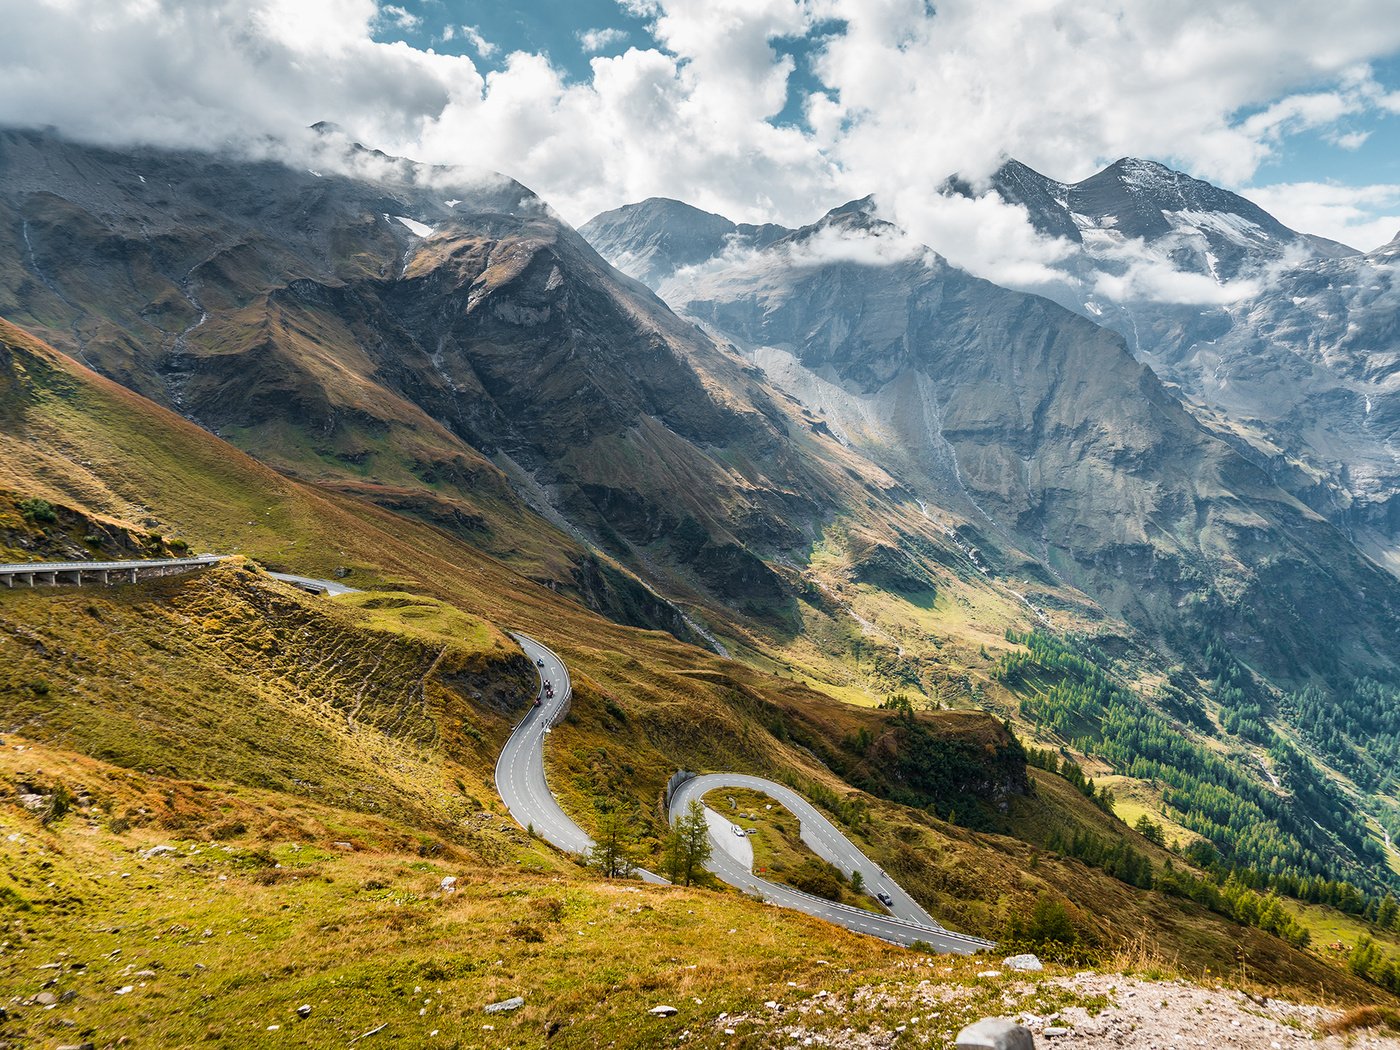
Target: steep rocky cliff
1282, 341
1041, 429
437, 342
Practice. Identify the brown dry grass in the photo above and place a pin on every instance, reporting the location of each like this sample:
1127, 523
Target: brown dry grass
647, 704
1386, 1017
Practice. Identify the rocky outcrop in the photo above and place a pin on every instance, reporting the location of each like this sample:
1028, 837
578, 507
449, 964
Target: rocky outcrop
1039, 428
1284, 344
438, 343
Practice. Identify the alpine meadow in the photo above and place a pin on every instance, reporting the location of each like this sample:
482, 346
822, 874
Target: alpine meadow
699, 523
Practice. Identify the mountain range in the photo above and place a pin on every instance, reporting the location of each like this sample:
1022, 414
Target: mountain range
752, 471
1038, 429
444, 348
1285, 341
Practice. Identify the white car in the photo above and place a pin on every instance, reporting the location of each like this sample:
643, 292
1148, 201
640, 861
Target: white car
737, 830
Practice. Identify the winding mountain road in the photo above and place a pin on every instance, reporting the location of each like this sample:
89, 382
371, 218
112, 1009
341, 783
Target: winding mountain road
820, 835
909, 922
520, 779
329, 588
521, 783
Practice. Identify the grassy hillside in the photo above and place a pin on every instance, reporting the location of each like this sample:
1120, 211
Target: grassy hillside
387, 709
171, 913
384, 702
267, 902
76, 440
393, 707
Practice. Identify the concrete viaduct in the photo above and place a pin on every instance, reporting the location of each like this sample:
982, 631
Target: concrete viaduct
55, 573
107, 573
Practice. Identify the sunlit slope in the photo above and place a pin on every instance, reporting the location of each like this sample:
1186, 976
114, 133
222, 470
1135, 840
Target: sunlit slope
456, 353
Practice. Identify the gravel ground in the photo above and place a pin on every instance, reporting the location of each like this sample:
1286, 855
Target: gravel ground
1141, 1015
1149, 1015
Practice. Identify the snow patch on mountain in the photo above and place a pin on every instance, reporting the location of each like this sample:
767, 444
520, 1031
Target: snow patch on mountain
420, 229
1235, 227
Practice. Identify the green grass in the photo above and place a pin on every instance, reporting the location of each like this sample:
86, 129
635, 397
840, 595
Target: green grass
222, 940
779, 853
362, 715
1329, 926
392, 706
419, 617
1133, 799
228, 935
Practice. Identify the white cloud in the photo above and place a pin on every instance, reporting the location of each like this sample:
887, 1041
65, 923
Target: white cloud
738, 264
595, 40
882, 245
1142, 274
482, 46
1066, 86
332, 26
1299, 113
910, 93
996, 240
1349, 139
1364, 217
983, 234
399, 17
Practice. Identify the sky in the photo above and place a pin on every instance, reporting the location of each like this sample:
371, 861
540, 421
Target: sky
763, 110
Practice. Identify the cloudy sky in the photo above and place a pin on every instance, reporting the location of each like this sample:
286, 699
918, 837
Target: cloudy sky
759, 109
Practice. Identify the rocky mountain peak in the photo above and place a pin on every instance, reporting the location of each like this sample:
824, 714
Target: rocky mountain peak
862, 206
1146, 199
652, 239
1389, 250
655, 237
1143, 199
1148, 176
676, 215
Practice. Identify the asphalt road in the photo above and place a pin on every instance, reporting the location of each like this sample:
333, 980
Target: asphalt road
820, 835
329, 588
908, 922
521, 783
723, 836
520, 779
